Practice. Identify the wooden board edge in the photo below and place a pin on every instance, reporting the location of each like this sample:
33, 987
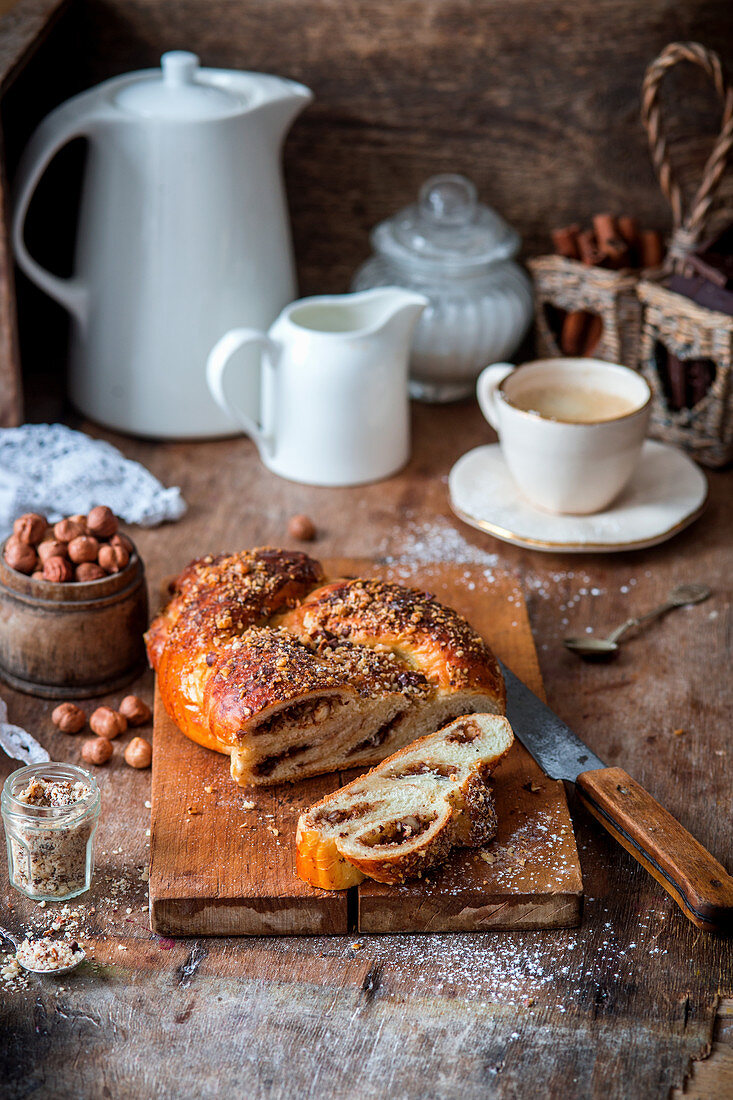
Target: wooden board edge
563, 910
249, 917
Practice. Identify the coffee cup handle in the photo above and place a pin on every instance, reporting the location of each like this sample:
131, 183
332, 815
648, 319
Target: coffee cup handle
217, 364
486, 387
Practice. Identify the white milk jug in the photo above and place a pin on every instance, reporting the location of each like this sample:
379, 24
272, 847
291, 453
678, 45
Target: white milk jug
183, 232
334, 407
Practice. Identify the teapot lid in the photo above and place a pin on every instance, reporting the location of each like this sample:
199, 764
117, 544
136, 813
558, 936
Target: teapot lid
447, 231
176, 91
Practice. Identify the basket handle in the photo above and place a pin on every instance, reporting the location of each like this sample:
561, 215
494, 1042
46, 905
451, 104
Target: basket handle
686, 229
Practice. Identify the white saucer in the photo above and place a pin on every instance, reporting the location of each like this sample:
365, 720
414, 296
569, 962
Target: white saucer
667, 493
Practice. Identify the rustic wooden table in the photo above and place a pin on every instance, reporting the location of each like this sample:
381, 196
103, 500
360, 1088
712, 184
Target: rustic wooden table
616, 1008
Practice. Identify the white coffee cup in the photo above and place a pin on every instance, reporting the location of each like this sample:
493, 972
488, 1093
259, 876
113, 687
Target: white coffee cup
579, 464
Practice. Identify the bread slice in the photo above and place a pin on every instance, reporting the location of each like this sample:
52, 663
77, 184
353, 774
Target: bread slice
406, 814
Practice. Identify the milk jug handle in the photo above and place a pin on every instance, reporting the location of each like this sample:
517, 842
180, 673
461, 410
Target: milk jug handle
67, 122
217, 364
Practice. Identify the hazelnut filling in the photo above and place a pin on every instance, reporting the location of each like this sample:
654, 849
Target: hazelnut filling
394, 833
312, 710
379, 736
267, 765
464, 734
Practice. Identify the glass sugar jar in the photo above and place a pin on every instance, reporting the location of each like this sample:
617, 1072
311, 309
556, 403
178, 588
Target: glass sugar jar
50, 814
460, 254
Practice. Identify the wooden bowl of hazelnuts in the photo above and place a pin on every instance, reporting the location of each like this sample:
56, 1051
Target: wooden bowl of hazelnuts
73, 606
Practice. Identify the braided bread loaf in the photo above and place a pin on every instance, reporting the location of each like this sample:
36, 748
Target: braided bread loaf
408, 813
258, 658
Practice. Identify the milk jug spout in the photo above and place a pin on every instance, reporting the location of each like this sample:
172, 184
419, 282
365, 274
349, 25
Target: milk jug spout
401, 311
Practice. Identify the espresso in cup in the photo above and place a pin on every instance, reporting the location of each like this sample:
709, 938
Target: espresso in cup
570, 430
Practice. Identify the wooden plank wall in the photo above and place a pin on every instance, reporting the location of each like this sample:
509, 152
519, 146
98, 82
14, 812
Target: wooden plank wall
536, 100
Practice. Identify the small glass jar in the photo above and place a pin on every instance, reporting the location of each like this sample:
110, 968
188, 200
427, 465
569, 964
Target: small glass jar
51, 847
460, 255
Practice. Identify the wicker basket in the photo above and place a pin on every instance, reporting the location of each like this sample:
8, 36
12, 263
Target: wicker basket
569, 285
672, 323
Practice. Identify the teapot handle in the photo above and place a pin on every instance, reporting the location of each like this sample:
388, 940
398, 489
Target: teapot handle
217, 365
67, 122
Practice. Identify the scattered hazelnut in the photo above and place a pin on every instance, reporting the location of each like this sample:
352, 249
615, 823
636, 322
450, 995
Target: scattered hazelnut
51, 548
30, 527
122, 540
102, 522
69, 718
107, 723
83, 548
112, 558
67, 529
20, 556
58, 570
97, 750
89, 571
302, 528
139, 753
134, 710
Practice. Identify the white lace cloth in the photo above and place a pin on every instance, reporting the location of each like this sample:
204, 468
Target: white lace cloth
51, 469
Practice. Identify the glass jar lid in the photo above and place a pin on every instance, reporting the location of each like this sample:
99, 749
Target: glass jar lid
447, 231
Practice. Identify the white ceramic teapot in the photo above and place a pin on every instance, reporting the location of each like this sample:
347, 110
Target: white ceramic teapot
183, 232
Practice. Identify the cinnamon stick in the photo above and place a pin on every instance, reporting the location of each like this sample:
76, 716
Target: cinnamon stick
589, 251
652, 248
610, 243
593, 333
573, 335
565, 241
628, 227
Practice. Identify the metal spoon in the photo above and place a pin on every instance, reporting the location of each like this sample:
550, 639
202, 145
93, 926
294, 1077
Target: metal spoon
32, 970
601, 649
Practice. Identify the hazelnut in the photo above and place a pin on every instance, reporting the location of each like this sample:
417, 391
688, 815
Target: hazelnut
107, 723
139, 753
97, 750
88, 571
67, 529
134, 710
122, 540
30, 528
83, 548
51, 548
20, 556
38, 575
82, 521
58, 570
302, 528
69, 718
102, 522
112, 558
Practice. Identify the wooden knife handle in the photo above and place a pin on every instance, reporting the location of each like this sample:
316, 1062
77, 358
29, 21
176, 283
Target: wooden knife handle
700, 885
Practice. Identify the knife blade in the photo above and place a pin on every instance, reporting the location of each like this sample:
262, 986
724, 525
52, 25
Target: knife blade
699, 884
555, 747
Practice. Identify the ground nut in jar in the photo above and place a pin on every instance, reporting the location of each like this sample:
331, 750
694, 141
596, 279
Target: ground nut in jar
50, 815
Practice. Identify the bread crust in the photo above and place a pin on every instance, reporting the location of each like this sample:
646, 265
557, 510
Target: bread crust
247, 636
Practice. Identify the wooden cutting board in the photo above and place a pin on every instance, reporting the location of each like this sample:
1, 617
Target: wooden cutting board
223, 857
